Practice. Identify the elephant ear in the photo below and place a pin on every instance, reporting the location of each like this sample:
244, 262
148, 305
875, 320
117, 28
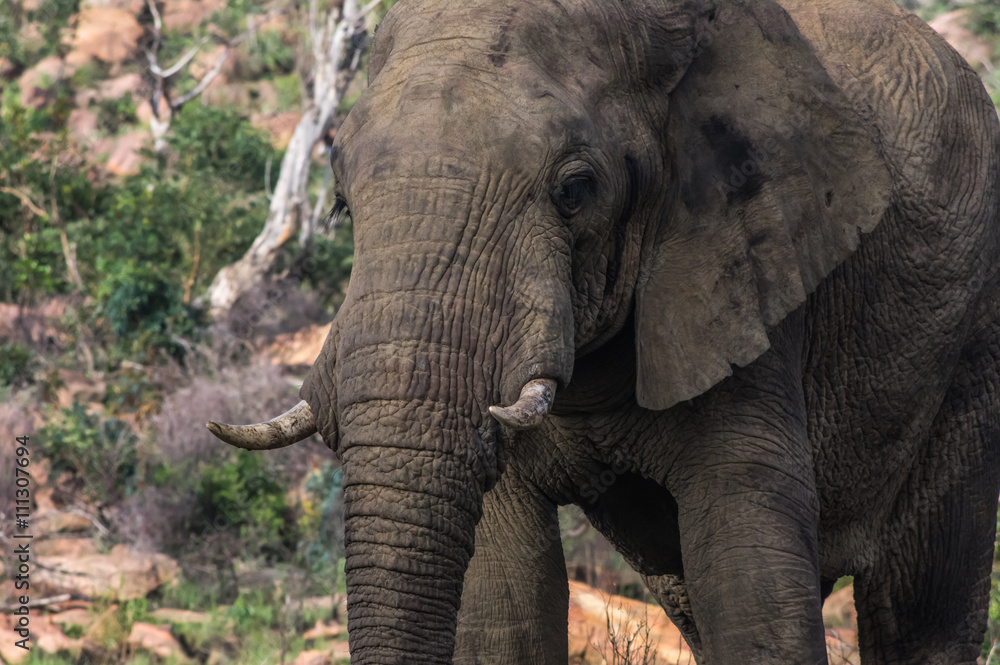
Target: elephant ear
776, 175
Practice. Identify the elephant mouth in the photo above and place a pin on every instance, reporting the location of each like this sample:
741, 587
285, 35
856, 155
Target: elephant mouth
298, 423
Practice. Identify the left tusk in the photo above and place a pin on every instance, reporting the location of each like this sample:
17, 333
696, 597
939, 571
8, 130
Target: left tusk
531, 407
290, 427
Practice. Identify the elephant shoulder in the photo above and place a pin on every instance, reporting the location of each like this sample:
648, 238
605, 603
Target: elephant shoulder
922, 103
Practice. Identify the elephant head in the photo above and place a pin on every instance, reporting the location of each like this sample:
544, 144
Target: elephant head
524, 179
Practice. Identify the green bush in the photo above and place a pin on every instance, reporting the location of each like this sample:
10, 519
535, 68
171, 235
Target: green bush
112, 114
100, 452
993, 624
243, 496
16, 364
321, 524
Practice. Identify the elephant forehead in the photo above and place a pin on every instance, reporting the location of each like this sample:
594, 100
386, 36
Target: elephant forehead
567, 42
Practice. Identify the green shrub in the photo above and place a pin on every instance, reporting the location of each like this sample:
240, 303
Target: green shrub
993, 623
242, 496
984, 18
112, 114
16, 364
100, 452
321, 525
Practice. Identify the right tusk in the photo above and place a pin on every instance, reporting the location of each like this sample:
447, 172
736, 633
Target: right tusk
531, 407
290, 427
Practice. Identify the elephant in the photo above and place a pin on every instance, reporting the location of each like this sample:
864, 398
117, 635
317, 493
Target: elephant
724, 273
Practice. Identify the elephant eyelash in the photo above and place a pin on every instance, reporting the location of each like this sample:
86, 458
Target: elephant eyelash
338, 214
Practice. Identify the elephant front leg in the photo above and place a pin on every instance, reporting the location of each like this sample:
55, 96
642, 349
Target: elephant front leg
748, 519
516, 595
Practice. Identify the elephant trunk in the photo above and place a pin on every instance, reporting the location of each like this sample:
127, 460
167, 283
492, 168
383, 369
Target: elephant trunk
410, 522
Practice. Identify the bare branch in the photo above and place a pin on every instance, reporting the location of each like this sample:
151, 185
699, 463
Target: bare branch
25, 199
209, 77
41, 602
267, 178
157, 22
185, 59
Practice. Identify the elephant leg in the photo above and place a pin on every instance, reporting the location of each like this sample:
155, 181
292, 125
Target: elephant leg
748, 513
671, 593
516, 595
925, 599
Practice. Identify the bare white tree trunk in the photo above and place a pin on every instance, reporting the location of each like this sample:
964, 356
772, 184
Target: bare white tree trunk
331, 34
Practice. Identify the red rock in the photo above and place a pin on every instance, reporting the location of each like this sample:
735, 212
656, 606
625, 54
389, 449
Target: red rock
186, 14
842, 646
105, 33
144, 110
35, 81
117, 87
79, 387
838, 610
77, 616
65, 547
60, 521
321, 630
50, 638
82, 123
313, 658
123, 152
156, 639
134, 7
298, 348
123, 574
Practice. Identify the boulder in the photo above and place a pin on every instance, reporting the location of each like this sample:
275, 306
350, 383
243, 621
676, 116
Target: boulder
82, 124
187, 14
49, 637
313, 658
36, 81
144, 110
298, 348
122, 574
65, 547
78, 616
133, 7
842, 646
838, 610
105, 33
157, 640
180, 616
60, 521
322, 630
122, 152
117, 87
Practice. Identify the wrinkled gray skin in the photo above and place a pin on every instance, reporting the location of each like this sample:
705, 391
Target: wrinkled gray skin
756, 246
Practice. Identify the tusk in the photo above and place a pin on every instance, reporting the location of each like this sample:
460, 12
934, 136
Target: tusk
290, 427
531, 407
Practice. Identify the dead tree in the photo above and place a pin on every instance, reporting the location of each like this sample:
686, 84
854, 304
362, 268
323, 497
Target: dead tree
332, 36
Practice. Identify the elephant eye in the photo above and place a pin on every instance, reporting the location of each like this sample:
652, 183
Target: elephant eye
573, 193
